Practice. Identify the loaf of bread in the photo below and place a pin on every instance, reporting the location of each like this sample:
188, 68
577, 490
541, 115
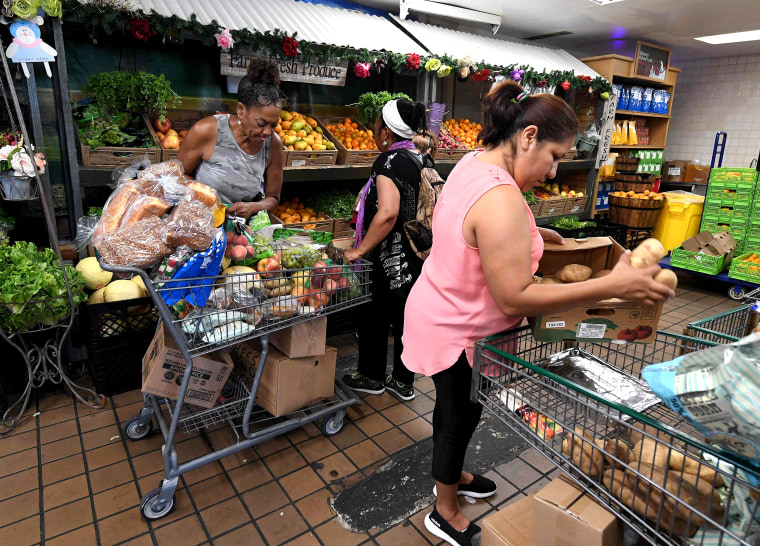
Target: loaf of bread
144, 206
191, 223
203, 193
140, 244
173, 167
114, 210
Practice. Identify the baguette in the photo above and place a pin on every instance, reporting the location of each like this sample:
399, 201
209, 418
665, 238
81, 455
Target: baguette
114, 211
143, 207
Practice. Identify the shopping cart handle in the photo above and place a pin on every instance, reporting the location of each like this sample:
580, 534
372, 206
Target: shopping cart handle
105, 266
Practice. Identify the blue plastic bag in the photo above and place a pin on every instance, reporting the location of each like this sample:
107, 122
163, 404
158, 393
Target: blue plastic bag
204, 264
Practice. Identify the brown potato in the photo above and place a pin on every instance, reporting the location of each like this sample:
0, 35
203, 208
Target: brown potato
549, 279
647, 451
601, 273
650, 252
585, 454
574, 273
667, 277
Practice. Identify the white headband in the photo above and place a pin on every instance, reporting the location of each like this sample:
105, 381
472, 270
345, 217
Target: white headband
393, 120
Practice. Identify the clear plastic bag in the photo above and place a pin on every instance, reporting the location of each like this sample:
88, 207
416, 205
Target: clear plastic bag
116, 207
191, 224
122, 175
144, 206
85, 229
164, 180
243, 246
295, 255
138, 245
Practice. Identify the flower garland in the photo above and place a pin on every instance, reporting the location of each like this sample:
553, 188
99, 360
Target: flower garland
112, 16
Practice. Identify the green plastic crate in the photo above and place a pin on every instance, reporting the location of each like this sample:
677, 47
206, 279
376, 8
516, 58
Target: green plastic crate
751, 244
736, 229
712, 265
731, 173
743, 270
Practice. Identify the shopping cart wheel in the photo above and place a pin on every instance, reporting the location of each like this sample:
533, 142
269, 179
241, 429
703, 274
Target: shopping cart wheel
150, 507
135, 430
331, 425
736, 292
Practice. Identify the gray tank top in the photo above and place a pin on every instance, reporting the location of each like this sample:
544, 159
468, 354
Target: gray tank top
236, 175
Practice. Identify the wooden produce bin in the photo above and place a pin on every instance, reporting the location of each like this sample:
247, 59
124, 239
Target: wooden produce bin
120, 156
312, 158
342, 228
181, 120
448, 155
346, 156
635, 213
317, 225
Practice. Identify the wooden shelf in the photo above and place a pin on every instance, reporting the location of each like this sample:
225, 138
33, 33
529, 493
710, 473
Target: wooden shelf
638, 147
642, 114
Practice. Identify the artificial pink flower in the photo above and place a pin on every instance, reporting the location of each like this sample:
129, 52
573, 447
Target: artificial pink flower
224, 38
361, 69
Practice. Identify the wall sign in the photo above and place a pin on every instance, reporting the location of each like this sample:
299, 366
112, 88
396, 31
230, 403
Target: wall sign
608, 124
291, 70
651, 61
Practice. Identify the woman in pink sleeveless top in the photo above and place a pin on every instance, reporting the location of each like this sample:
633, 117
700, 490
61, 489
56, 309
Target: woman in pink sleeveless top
478, 279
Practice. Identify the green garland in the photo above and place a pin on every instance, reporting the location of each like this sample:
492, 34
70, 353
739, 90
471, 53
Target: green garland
115, 16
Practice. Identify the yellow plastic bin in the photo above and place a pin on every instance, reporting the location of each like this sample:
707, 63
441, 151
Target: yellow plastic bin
679, 219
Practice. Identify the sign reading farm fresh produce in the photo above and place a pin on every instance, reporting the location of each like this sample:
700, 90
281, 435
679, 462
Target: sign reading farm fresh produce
291, 70
608, 121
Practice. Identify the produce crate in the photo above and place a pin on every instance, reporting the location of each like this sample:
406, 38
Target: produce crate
535, 208
745, 270
342, 228
346, 156
113, 156
712, 265
636, 187
575, 205
729, 173
553, 207
735, 227
312, 158
635, 213
118, 335
751, 243
738, 190
318, 225
181, 120
447, 155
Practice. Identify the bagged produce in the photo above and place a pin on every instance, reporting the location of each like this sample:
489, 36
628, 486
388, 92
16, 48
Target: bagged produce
244, 246
718, 391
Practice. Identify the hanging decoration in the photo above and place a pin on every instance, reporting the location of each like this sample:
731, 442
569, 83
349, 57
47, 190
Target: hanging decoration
111, 16
362, 70
565, 85
140, 29
28, 47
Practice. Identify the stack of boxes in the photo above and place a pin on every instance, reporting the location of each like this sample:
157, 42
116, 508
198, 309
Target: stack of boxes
730, 206
651, 161
603, 194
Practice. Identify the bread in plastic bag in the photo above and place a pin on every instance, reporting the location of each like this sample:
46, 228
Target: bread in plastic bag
203, 193
116, 207
191, 223
144, 206
164, 179
138, 245
718, 391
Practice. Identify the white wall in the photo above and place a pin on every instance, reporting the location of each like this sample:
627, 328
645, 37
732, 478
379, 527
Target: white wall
716, 95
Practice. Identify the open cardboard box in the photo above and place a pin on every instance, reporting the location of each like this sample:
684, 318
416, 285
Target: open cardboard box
712, 244
606, 320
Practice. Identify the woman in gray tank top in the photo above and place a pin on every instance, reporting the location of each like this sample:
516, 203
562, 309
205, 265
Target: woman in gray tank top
240, 155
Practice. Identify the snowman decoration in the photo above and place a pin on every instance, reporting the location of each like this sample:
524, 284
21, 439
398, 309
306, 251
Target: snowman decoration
28, 47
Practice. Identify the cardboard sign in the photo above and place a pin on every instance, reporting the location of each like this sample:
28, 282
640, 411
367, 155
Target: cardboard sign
291, 70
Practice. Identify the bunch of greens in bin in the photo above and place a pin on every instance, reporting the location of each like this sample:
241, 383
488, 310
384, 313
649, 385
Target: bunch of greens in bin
335, 203
319, 237
7, 223
530, 197
98, 128
370, 105
571, 222
132, 93
33, 289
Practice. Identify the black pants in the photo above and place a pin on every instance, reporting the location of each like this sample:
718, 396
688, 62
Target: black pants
385, 309
454, 420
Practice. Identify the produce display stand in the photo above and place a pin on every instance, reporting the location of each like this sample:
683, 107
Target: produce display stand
237, 409
738, 287
505, 377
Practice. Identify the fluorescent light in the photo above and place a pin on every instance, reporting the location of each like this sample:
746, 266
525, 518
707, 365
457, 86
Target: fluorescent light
450, 11
734, 37
603, 2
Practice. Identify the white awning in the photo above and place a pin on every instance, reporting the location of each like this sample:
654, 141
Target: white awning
442, 41
314, 22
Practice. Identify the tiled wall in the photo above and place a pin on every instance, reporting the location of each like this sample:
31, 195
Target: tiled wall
716, 95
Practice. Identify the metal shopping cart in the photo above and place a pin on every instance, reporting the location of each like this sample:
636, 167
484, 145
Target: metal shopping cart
233, 313
725, 327
589, 437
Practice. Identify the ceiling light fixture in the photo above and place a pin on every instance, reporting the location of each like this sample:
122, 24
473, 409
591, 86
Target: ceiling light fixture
605, 2
748, 36
450, 11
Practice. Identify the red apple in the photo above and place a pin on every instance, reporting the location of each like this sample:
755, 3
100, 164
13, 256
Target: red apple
170, 142
343, 283
317, 280
334, 273
319, 264
162, 125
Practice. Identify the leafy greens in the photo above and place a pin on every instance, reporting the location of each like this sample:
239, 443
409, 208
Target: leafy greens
370, 105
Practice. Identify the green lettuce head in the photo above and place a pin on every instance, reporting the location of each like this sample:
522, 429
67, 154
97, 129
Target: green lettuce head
25, 9
52, 7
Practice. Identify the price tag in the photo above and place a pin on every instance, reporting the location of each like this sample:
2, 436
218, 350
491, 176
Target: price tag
299, 163
556, 324
592, 331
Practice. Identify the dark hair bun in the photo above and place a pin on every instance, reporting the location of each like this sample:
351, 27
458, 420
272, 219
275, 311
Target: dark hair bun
263, 71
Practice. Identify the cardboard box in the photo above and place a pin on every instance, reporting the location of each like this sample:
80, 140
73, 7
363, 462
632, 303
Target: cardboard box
302, 340
164, 367
602, 321
712, 244
569, 516
287, 384
674, 171
512, 526
697, 174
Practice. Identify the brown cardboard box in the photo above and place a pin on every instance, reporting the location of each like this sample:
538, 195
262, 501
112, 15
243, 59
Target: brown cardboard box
302, 340
711, 244
697, 174
164, 367
674, 171
602, 321
569, 516
511, 526
287, 384
343, 244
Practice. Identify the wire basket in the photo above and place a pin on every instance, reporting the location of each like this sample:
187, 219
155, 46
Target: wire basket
725, 327
18, 188
17, 312
591, 438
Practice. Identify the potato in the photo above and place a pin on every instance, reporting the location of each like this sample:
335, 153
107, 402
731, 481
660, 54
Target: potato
667, 277
618, 449
601, 273
650, 252
647, 451
585, 454
574, 273
548, 279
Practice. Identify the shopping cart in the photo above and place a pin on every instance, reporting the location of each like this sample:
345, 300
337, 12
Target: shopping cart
238, 301
724, 327
589, 437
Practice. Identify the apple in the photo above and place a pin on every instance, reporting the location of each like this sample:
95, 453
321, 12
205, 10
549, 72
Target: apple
182, 133
162, 125
317, 280
331, 286
267, 265
343, 283
238, 252
333, 273
172, 132
318, 299
628, 335
160, 135
319, 264
170, 142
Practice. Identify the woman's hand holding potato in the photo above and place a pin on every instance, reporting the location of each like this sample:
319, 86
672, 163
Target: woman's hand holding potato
630, 283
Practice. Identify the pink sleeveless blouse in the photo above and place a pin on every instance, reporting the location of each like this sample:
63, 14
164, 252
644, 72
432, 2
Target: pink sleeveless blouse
450, 306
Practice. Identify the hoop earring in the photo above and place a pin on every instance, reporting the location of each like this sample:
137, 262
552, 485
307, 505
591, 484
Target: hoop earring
385, 142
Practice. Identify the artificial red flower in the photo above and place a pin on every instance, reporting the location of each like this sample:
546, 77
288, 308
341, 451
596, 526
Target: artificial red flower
412, 61
140, 29
587, 78
361, 69
565, 85
290, 47
542, 83
481, 75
